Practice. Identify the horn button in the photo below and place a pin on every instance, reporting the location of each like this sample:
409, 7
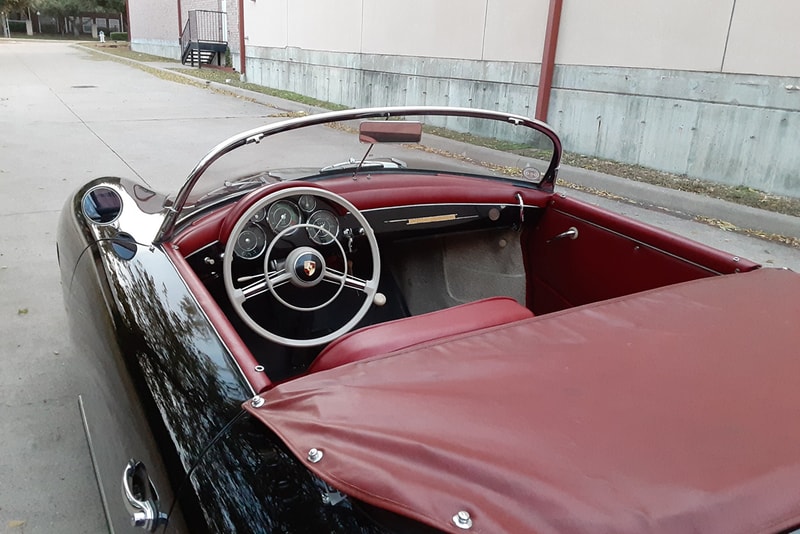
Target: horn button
306, 266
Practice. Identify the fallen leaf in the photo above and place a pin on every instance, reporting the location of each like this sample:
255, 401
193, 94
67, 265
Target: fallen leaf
22, 311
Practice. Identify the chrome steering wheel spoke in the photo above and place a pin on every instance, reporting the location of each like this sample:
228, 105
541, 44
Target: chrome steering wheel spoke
353, 282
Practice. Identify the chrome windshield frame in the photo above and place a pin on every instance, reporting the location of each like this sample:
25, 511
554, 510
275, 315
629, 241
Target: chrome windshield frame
256, 135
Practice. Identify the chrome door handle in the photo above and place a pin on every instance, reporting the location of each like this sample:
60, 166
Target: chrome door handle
571, 233
141, 498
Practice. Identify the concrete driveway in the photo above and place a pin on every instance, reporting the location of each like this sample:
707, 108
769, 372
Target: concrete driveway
66, 116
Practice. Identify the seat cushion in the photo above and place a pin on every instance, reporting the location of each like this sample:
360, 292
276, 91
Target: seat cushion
382, 338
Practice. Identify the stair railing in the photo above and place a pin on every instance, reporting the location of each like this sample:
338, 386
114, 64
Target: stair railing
201, 26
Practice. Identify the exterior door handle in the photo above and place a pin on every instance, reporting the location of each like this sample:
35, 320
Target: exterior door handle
141, 498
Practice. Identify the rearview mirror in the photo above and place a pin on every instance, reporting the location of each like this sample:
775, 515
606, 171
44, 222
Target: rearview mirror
390, 132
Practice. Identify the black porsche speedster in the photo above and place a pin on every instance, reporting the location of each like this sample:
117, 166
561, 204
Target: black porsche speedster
386, 320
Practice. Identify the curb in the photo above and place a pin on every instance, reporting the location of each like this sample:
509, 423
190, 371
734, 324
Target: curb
686, 203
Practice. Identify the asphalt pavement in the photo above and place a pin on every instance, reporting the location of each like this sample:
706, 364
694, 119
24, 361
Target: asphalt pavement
68, 115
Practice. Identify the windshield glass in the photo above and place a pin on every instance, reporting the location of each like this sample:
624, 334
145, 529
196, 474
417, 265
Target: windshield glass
418, 140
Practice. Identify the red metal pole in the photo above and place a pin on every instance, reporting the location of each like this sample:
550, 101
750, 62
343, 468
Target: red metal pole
242, 64
548, 60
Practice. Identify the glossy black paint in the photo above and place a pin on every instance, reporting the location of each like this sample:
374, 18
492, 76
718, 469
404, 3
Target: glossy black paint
161, 385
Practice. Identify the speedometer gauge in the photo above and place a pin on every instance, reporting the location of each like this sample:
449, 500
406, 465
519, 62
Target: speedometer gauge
323, 220
251, 242
282, 215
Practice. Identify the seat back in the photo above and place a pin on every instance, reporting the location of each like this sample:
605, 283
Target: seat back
380, 339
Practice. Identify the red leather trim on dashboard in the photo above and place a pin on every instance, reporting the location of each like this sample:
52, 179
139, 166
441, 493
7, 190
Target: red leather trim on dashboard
201, 232
382, 191
383, 338
368, 192
259, 381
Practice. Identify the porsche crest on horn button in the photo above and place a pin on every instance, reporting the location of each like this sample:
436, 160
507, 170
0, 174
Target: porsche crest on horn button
309, 267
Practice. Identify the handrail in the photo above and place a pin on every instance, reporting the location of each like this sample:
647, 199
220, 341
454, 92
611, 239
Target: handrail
186, 35
201, 26
208, 26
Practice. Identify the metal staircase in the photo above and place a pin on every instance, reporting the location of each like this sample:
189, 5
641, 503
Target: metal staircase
203, 40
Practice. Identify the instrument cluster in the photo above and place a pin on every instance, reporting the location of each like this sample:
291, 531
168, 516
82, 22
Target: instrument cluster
319, 222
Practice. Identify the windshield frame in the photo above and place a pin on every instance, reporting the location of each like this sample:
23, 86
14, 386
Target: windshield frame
256, 135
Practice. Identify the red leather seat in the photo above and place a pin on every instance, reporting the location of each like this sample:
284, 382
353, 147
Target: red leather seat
382, 338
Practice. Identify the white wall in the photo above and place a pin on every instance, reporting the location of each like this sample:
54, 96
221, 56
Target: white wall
765, 38
674, 34
515, 30
733, 36
154, 20
736, 36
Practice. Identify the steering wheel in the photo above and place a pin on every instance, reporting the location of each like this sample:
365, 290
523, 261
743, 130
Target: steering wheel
303, 267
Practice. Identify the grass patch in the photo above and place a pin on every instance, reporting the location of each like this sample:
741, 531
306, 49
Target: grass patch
124, 50
52, 37
232, 79
746, 196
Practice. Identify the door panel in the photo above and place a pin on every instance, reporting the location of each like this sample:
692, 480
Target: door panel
577, 254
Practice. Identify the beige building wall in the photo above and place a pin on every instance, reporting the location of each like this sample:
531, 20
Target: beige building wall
735, 36
266, 23
678, 34
457, 29
438, 29
765, 38
153, 21
515, 30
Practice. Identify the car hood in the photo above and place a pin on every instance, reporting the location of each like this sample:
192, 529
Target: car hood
672, 410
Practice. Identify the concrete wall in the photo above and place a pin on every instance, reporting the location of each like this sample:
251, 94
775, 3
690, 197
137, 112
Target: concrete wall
708, 89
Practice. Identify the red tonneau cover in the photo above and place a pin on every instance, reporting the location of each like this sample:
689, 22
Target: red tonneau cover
674, 410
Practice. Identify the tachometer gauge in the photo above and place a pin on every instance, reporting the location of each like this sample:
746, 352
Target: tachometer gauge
326, 220
282, 215
251, 242
307, 203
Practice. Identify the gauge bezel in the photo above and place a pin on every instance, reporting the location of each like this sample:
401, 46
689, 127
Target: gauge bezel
260, 246
294, 211
307, 209
259, 216
331, 233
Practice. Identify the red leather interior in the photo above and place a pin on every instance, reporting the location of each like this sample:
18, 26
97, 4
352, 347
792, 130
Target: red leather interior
383, 338
201, 232
612, 256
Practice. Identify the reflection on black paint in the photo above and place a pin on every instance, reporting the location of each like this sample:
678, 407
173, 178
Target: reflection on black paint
246, 482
